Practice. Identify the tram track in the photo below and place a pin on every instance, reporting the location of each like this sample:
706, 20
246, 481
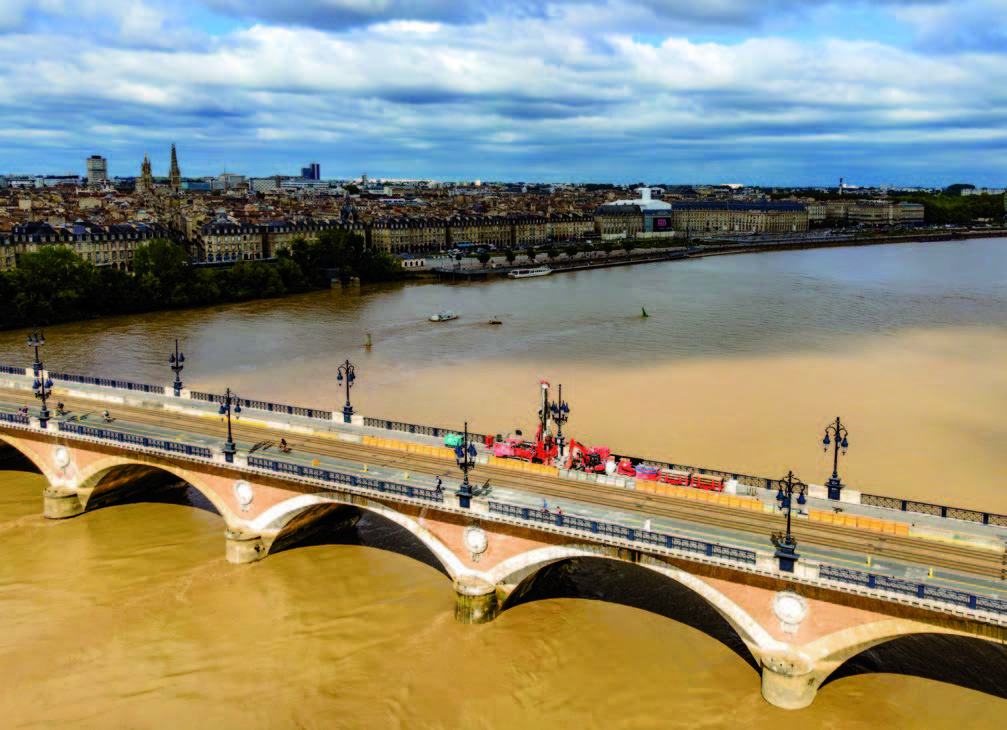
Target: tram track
905, 549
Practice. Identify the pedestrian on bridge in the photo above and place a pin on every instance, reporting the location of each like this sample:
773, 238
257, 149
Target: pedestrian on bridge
437, 485
646, 525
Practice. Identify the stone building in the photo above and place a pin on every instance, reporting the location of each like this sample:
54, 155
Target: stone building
737, 217
111, 245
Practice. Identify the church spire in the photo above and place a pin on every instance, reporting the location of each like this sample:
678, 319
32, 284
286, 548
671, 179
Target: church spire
174, 174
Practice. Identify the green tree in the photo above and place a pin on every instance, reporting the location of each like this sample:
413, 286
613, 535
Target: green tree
351, 189
484, 257
531, 253
628, 245
55, 285
510, 255
163, 270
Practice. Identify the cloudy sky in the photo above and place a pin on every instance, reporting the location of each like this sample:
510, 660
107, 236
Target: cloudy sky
760, 92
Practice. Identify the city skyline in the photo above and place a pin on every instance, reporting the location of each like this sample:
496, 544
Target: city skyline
783, 93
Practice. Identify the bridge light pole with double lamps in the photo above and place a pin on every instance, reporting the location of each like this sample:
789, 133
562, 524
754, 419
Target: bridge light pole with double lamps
176, 365
560, 414
465, 454
225, 409
786, 549
347, 373
43, 389
838, 431
36, 339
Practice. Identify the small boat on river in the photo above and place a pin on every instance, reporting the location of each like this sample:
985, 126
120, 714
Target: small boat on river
443, 316
494, 321
528, 273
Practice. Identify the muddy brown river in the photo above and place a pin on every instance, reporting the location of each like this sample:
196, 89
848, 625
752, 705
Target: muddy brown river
129, 617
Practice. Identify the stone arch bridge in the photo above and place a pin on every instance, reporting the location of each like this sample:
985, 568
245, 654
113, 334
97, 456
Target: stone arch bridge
798, 630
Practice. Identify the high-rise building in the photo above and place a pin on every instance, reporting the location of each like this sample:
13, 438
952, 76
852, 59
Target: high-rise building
97, 169
312, 172
174, 174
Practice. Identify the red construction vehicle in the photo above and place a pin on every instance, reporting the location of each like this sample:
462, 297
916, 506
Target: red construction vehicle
539, 451
584, 459
625, 468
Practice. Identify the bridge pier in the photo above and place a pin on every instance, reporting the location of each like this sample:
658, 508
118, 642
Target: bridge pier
475, 601
60, 504
244, 547
789, 682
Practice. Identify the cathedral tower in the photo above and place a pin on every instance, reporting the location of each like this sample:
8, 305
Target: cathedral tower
174, 175
146, 182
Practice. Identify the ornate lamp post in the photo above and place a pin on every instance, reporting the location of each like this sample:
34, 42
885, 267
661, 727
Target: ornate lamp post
43, 389
347, 373
465, 454
225, 409
176, 365
560, 413
36, 339
838, 431
786, 550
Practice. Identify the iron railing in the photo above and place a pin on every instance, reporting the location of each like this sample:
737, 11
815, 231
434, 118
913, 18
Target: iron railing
925, 591
934, 510
352, 480
8, 370
434, 431
261, 405
610, 529
14, 418
146, 442
108, 383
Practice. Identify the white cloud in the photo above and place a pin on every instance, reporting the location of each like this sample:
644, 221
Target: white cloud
527, 85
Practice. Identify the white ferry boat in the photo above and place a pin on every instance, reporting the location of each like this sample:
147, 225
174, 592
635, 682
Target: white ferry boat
443, 316
528, 273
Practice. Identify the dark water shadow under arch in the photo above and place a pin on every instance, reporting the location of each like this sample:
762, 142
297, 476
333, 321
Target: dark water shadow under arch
11, 459
351, 525
612, 581
143, 484
959, 660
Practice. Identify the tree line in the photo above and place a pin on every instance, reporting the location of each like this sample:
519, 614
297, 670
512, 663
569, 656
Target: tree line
55, 285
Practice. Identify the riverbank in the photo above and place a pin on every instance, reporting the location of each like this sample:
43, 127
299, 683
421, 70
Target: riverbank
691, 248
720, 248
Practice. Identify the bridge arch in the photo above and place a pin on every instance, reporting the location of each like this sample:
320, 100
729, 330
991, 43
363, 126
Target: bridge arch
284, 515
516, 575
915, 648
93, 482
27, 449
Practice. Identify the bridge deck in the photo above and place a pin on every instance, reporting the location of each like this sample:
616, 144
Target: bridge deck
323, 444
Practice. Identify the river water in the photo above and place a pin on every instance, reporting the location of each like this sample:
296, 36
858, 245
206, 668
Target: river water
130, 617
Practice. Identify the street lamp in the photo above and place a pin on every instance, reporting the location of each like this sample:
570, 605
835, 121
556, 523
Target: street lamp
465, 454
176, 365
786, 549
349, 374
560, 413
36, 339
43, 389
225, 409
838, 431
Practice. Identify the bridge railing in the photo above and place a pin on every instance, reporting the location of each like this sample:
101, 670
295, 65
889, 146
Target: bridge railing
107, 383
934, 510
611, 529
14, 418
261, 405
434, 431
926, 591
352, 480
146, 442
